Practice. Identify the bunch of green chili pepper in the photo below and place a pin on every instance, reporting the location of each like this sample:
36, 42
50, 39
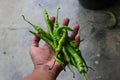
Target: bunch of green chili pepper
59, 40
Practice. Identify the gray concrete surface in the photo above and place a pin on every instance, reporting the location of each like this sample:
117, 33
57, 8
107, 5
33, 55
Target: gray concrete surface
101, 47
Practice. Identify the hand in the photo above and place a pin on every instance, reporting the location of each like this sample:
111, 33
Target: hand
43, 56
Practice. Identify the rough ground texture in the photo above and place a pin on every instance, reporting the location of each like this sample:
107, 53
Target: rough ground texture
101, 47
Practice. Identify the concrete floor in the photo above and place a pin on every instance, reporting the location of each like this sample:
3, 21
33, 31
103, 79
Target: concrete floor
101, 47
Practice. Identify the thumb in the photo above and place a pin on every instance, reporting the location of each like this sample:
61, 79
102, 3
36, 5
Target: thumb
35, 42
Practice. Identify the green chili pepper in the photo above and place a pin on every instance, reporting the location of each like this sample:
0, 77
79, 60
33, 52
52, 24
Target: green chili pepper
60, 61
47, 20
114, 17
72, 61
61, 41
44, 38
72, 43
56, 25
37, 28
59, 29
76, 57
66, 55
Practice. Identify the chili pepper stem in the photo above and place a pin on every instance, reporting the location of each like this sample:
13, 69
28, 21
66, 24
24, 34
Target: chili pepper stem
84, 76
71, 69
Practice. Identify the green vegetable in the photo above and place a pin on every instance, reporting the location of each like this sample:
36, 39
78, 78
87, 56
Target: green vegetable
47, 20
114, 17
65, 47
38, 29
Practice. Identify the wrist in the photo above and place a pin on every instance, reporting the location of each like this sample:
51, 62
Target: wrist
48, 73
42, 73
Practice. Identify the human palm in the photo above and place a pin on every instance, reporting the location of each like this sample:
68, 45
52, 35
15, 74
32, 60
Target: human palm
43, 56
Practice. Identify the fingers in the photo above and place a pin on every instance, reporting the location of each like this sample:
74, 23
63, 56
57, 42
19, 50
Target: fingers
75, 31
52, 19
77, 40
35, 42
65, 21
74, 35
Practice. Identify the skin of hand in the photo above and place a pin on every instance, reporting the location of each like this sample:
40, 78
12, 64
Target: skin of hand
42, 57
